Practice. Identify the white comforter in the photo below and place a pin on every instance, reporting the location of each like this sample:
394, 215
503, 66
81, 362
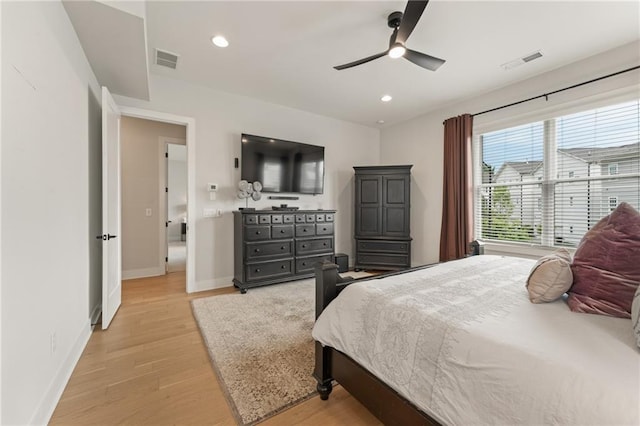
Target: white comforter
464, 344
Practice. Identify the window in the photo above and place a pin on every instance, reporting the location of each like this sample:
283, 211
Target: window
613, 203
568, 164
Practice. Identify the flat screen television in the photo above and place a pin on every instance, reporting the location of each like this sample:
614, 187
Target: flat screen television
282, 166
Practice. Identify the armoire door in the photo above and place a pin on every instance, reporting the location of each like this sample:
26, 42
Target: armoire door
395, 205
368, 206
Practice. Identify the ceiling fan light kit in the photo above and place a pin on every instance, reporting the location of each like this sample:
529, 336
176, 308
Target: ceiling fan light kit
403, 25
397, 51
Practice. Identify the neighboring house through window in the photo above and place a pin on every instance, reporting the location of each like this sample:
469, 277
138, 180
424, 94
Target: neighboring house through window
548, 182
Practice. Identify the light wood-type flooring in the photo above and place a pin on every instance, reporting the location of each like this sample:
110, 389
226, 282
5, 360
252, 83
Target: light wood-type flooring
151, 368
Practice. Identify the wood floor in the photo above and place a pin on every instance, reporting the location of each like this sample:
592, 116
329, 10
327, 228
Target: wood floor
151, 368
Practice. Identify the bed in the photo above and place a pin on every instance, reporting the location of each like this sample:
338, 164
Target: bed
460, 343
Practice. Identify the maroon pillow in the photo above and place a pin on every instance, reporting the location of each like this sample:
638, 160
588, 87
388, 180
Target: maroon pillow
606, 265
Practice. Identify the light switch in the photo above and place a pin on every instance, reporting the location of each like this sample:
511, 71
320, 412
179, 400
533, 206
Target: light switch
147, 212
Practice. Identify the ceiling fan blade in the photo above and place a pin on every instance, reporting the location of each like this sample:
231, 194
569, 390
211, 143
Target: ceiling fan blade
410, 18
361, 61
425, 61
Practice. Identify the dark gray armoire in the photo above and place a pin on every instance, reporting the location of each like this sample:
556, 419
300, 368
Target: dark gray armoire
382, 234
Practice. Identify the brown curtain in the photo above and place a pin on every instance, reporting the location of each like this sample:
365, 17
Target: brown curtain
457, 227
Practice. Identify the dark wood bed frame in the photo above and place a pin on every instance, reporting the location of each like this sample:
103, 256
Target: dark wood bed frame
330, 364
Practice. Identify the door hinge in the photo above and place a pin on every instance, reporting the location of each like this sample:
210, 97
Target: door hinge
166, 189
166, 259
166, 155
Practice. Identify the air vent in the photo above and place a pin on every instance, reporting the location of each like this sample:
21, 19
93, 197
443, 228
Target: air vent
517, 62
166, 59
533, 56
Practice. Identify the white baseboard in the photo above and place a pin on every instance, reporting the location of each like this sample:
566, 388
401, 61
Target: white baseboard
211, 284
50, 400
143, 273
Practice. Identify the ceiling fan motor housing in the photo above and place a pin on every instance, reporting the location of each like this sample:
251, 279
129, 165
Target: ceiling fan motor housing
394, 19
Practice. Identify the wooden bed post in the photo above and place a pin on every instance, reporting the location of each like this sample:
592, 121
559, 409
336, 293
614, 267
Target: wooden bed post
326, 279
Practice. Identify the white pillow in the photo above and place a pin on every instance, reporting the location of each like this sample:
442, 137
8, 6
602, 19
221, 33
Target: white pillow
635, 315
550, 277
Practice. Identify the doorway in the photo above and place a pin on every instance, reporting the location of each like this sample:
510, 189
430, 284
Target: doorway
175, 164
188, 125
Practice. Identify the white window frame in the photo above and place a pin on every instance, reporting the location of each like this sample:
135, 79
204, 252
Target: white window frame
613, 166
529, 249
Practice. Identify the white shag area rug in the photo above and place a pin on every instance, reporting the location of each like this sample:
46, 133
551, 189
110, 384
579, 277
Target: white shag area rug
261, 346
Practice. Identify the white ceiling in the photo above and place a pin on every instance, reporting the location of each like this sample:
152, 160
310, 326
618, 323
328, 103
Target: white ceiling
284, 52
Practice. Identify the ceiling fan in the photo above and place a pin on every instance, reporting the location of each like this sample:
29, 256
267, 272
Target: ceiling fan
403, 24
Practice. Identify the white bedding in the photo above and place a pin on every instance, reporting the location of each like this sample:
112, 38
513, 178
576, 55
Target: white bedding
463, 343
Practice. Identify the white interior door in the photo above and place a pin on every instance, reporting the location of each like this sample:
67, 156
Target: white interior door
111, 252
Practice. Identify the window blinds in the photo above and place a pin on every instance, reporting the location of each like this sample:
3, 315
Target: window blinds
549, 182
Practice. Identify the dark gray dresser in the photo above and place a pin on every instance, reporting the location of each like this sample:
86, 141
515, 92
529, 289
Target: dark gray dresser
382, 208
272, 246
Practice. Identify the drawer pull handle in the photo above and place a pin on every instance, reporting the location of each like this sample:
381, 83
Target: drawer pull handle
282, 231
257, 269
304, 246
304, 230
324, 244
281, 247
257, 232
324, 229
257, 250
282, 267
304, 263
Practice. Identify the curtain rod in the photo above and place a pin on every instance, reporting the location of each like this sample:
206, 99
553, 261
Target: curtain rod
546, 95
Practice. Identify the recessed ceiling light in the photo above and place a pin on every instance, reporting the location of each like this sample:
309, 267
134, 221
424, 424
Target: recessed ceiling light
380, 121
386, 98
219, 41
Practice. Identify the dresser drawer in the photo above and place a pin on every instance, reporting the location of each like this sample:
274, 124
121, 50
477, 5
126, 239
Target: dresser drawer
324, 229
310, 218
255, 251
305, 230
300, 218
251, 219
276, 218
329, 217
282, 231
307, 264
264, 218
320, 218
383, 246
288, 218
265, 270
257, 232
316, 245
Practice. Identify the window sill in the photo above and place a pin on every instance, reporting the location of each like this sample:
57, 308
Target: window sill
519, 250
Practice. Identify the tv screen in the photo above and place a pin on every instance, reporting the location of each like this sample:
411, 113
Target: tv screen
283, 166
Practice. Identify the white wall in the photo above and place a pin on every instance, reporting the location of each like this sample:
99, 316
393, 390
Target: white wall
49, 96
220, 119
143, 180
419, 141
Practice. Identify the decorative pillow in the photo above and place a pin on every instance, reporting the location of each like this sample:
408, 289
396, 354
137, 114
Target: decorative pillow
606, 265
635, 315
550, 277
